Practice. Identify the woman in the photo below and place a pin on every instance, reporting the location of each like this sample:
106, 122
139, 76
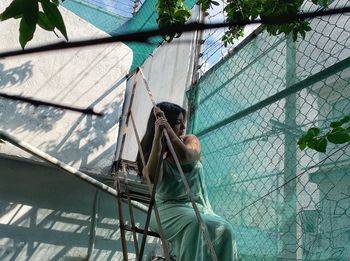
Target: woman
178, 219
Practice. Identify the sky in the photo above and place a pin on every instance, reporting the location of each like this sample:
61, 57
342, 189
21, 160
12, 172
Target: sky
213, 49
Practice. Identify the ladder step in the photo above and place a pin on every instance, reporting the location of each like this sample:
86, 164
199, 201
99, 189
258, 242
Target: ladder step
141, 231
136, 193
135, 198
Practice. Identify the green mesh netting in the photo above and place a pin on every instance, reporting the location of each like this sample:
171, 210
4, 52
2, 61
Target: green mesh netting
248, 125
144, 20
101, 18
113, 24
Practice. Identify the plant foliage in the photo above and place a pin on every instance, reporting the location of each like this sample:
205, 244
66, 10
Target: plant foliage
238, 11
339, 133
45, 13
31, 13
171, 13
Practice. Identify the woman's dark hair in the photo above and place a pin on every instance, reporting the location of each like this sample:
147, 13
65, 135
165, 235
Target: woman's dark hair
171, 111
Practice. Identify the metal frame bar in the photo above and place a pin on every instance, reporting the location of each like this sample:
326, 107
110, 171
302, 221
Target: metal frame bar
120, 215
66, 168
143, 36
131, 212
117, 180
59, 164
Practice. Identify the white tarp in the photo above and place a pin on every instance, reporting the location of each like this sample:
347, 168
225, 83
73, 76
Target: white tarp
169, 73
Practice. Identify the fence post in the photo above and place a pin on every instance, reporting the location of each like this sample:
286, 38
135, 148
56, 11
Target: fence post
289, 230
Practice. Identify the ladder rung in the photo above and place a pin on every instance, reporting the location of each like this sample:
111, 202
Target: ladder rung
141, 231
135, 198
146, 195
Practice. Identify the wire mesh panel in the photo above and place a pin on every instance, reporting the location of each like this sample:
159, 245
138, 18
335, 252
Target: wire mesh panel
250, 110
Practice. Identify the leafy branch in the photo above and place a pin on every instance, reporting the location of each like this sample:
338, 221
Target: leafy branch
172, 13
31, 13
241, 10
339, 133
46, 14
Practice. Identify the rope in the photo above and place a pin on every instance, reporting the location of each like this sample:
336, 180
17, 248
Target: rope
188, 190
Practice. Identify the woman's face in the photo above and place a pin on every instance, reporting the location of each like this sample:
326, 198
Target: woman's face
180, 126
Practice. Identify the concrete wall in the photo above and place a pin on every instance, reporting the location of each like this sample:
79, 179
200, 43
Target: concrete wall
45, 213
49, 215
83, 77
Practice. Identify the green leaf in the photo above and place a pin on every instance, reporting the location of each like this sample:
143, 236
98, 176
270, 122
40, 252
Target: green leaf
335, 124
338, 137
54, 16
26, 32
312, 132
312, 143
321, 145
12, 11
346, 119
30, 9
45, 23
302, 144
324, 3
184, 14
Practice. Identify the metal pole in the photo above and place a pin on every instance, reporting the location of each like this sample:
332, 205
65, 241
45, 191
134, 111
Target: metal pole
193, 90
120, 215
289, 231
59, 164
131, 212
63, 166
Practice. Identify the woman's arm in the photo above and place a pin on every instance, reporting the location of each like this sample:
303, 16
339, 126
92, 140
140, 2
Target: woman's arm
187, 149
151, 166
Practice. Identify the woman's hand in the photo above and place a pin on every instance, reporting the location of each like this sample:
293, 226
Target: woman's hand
160, 123
158, 112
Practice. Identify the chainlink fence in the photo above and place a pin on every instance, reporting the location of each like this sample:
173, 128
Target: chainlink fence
249, 111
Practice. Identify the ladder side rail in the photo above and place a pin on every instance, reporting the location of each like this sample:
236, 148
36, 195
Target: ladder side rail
131, 212
150, 187
152, 201
120, 215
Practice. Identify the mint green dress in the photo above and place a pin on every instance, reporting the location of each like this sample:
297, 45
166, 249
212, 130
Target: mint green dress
178, 219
